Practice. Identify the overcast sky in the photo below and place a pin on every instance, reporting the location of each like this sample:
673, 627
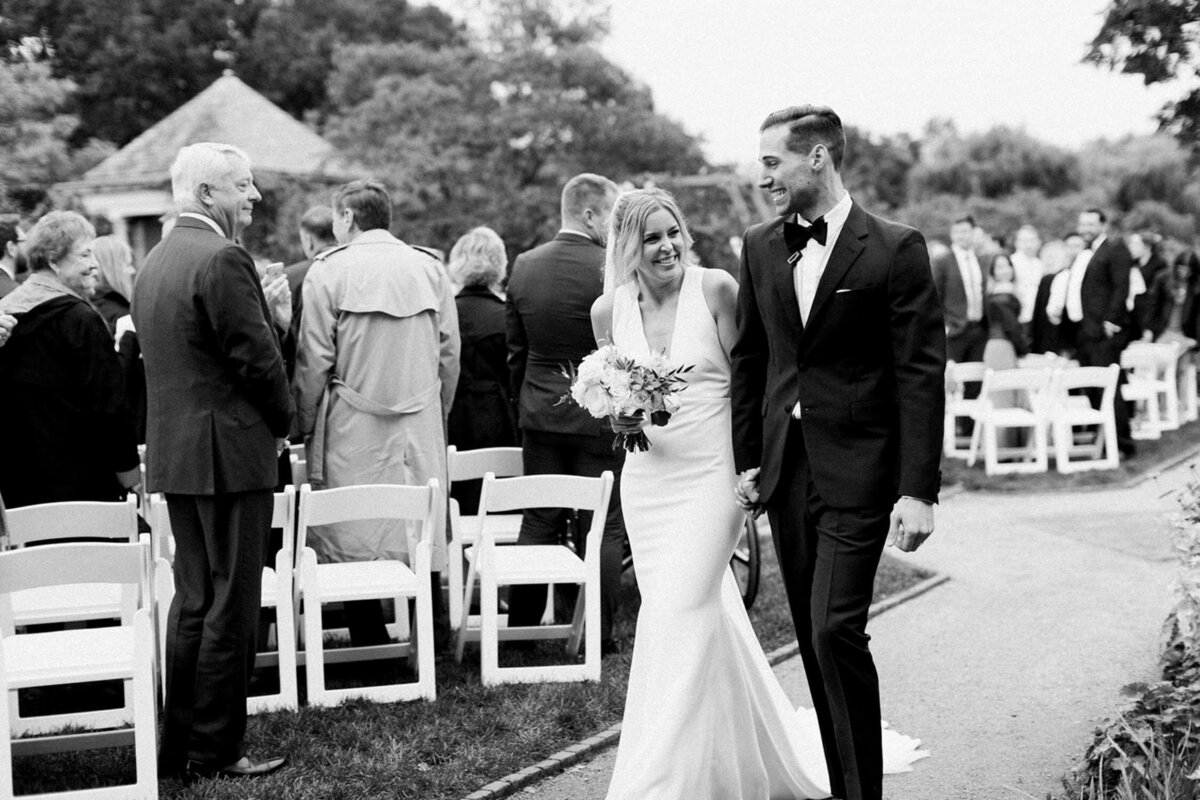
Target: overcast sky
720, 66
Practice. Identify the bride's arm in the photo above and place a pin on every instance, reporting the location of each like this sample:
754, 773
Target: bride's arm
602, 312
720, 293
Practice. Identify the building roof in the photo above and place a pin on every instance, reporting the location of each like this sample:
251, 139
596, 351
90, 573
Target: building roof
231, 112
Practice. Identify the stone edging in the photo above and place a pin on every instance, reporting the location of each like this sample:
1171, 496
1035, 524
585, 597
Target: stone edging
585, 749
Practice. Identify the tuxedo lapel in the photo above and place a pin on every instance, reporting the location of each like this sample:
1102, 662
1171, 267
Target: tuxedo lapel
845, 252
781, 275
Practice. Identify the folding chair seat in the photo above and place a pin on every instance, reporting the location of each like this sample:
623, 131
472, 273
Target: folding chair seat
1067, 412
319, 584
277, 593
124, 652
958, 406
465, 465
540, 564
1012, 399
1152, 386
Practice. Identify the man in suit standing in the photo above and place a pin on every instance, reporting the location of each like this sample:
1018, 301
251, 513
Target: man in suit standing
838, 380
219, 410
1097, 306
549, 324
959, 281
11, 237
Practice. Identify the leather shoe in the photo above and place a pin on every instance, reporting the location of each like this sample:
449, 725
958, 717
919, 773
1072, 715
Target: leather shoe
244, 767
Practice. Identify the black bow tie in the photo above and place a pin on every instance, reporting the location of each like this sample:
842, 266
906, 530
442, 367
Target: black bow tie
796, 236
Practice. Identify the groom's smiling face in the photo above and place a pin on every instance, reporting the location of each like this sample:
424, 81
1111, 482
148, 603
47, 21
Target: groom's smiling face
788, 177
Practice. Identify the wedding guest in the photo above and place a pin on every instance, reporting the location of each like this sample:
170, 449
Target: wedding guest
62, 392
11, 255
1028, 269
316, 236
550, 296
1044, 334
1172, 311
219, 412
1006, 337
1143, 246
371, 304
959, 282
115, 258
483, 414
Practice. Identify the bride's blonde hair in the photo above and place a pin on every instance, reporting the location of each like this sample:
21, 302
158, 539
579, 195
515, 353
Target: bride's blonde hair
626, 226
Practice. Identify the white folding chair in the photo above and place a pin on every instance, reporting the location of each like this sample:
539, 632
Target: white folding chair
1152, 386
124, 652
538, 564
958, 406
1025, 390
1067, 412
465, 465
317, 584
299, 468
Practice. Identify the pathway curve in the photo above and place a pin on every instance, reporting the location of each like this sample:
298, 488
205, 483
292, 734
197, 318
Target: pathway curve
1055, 602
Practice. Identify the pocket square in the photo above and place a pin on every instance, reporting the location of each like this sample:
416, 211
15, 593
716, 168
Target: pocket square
843, 291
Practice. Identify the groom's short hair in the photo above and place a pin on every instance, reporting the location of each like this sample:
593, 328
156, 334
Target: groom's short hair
810, 125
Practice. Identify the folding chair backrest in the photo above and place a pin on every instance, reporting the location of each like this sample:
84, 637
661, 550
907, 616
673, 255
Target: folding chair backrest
73, 520
72, 563
372, 501
283, 515
1152, 358
1030, 380
1088, 377
543, 491
465, 465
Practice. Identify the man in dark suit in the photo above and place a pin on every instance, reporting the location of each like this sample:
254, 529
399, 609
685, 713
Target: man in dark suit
548, 321
316, 236
11, 237
219, 410
838, 381
959, 281
1097, 306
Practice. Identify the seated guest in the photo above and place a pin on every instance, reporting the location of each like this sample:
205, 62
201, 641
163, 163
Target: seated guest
1171, 311
115, 259
482, 414
69, 435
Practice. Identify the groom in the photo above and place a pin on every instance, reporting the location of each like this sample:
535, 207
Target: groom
838, 371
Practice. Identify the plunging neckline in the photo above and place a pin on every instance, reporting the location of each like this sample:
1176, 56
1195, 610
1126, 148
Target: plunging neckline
674, 321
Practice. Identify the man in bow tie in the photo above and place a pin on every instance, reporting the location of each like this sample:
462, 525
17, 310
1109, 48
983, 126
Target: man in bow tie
838, 381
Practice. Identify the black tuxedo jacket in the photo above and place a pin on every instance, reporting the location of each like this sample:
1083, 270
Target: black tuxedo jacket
548, 324
217, 394
1105, 290
868, 369
947, 278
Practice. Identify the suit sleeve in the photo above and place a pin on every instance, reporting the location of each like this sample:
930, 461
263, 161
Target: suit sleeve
748, 365
1120, 262
919, 359
514, 331
450, 345
237, 311
316, 349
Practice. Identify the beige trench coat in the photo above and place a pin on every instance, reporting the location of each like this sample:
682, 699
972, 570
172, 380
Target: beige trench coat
376, 367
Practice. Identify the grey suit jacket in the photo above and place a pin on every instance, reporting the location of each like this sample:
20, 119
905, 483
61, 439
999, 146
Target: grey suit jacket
217, 394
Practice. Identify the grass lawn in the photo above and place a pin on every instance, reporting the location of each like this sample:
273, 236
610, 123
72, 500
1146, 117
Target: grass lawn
442, 750
1150, 453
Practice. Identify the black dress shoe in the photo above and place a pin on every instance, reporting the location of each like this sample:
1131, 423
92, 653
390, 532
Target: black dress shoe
244, 767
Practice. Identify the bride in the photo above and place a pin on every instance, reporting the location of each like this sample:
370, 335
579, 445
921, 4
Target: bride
705, 716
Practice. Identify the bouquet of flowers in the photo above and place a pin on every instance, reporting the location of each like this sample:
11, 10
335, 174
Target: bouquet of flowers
610, 384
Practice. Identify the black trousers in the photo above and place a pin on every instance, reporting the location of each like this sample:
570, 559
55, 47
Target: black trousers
967, 345
1100, 353
213, 623
567, 454
829, 557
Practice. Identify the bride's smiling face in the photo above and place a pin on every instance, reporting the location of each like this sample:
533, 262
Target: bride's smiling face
662, 245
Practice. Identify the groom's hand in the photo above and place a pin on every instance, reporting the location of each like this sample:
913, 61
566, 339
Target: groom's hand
911, 524
746, 493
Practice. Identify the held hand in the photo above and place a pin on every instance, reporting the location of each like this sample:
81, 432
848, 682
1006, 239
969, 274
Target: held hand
623, 423
130, 478
279, 300
7, 323
746, 493
911, 524
1110, 329
280, 446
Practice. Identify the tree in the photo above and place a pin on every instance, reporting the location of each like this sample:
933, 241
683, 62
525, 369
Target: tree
1159, 40
135, 61
34, 130
876, 168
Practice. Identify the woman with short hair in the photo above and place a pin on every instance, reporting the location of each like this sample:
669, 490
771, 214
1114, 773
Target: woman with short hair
62, 395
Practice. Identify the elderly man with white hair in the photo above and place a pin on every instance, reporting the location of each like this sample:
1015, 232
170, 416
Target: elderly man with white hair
218, 412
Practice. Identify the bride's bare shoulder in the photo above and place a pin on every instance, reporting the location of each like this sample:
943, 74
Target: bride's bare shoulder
720, 289
602, 311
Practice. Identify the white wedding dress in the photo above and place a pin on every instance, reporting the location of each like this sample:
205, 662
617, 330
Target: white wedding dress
705, 716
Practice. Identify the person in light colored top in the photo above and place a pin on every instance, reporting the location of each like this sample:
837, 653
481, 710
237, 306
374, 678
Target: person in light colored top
1028, 269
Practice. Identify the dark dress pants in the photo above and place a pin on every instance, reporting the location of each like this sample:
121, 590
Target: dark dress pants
212, 626
829, 557
548, 453
967, 345
1091, 352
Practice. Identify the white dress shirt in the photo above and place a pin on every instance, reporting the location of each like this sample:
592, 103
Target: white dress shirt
972, 278
1074, 302
808, 269
1029, 272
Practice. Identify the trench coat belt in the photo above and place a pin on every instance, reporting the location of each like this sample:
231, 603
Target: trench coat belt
409, 405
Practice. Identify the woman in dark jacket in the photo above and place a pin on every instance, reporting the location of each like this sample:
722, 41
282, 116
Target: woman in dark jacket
68, 434
1171, 309
482, 414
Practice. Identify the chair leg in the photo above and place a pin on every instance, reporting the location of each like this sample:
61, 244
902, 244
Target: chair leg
314, 651
976, 433
468, 596
6, 772
145, 728
422, 638
489, 633
454, 558
578, 622
548, 610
